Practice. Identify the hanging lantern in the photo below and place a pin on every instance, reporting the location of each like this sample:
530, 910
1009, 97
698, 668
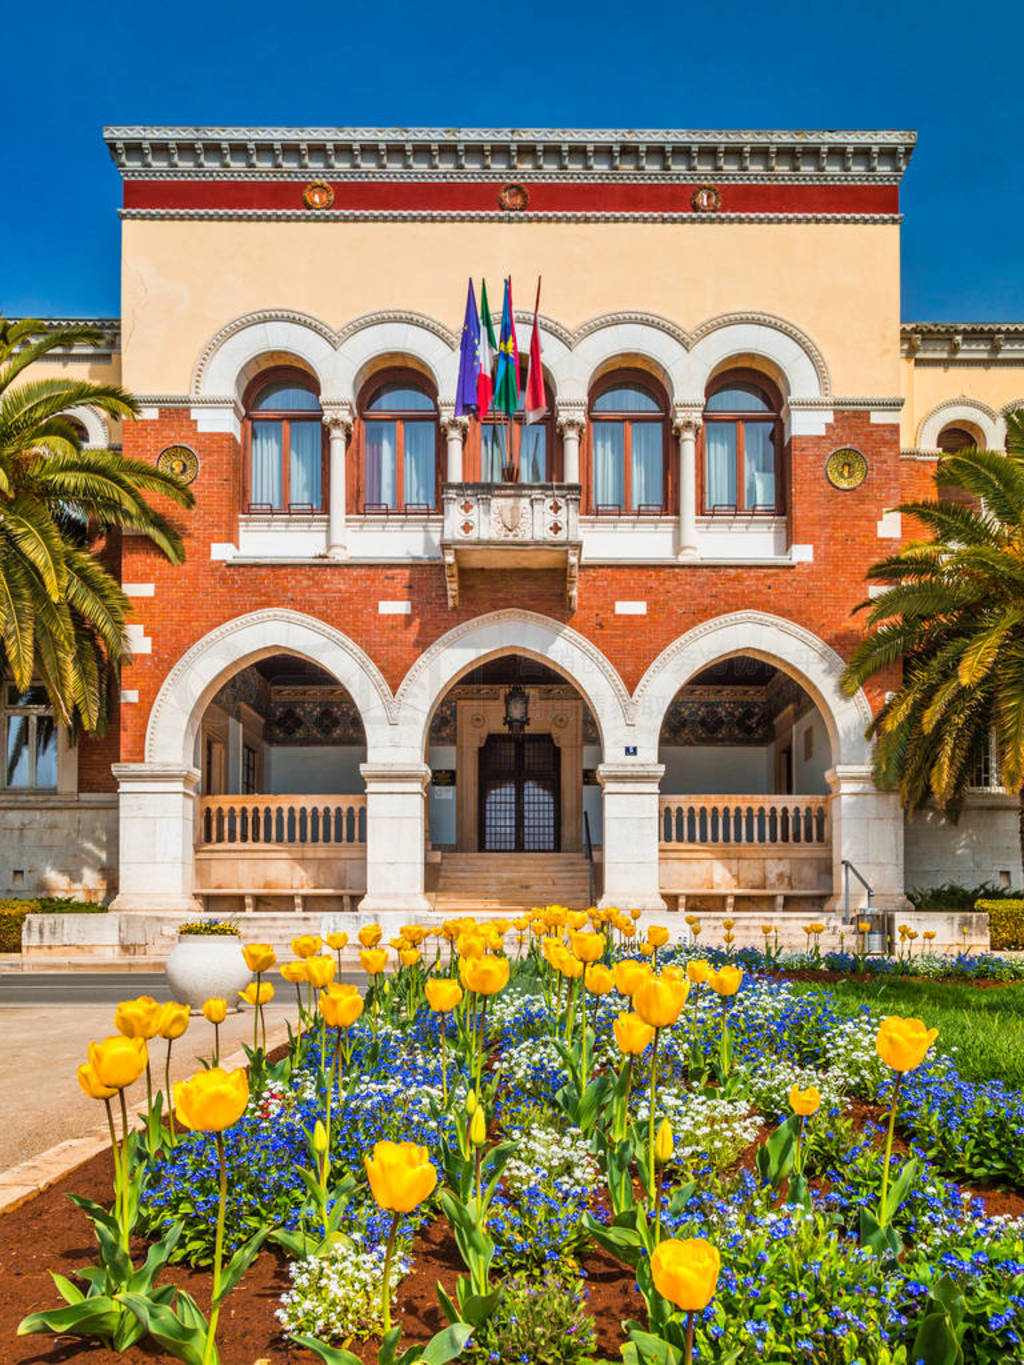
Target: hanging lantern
517, 709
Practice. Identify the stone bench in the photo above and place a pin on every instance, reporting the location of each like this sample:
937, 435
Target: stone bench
349, 898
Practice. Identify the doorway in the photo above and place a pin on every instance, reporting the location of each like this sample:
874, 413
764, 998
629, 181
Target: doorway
519, 792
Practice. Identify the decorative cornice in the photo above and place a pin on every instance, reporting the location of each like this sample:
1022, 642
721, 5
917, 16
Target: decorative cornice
473, 216
109, 330
880, 157
626, 319
963, 343
857, 404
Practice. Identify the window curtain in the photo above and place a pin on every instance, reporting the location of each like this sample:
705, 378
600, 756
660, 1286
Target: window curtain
380, 463
420, 447
720, 465
306, 464
759, 460
647, 464
266, 463
492, 452
609, 464
533, 454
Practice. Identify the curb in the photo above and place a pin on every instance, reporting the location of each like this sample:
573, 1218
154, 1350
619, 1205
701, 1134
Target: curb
19, 1184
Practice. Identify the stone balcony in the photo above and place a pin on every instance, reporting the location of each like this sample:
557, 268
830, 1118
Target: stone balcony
511, 526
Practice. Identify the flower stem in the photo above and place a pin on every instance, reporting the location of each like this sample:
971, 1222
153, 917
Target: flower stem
654, 1087
883, 1210
116, 1153
209, 1353
125, 1232
385, 1295
688, 1349
444, 1062
256, 1016
170, 1092
216, 1044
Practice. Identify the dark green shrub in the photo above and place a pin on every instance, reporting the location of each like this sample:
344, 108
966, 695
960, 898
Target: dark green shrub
13, 913
1005, 922
953, 896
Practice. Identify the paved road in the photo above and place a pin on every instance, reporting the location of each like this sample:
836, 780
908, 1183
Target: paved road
79, 988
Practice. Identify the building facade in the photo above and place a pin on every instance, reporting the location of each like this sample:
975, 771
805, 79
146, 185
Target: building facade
323, 710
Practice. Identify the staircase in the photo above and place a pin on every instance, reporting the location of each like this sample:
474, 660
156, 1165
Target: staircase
474, 883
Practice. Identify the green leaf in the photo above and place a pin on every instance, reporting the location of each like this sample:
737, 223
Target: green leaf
69, 1292
239, 1264
440, 1349
97, 1317
331, 1355
936, 1343
185, 1341
651, 1350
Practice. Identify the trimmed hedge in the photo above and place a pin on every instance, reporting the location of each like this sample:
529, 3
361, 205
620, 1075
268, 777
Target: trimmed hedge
1005, 922
13, 914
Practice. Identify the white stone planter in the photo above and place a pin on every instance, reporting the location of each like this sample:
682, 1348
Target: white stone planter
201, 966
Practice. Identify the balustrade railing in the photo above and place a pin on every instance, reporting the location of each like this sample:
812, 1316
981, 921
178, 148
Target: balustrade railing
748, 820
262, 821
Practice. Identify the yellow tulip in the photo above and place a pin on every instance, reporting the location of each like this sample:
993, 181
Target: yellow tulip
400, 1174
409, 956
726, 981
657, 935
320, 970
340, 988
373, 960
294, 972
598, 979
728, 924
570, 967
259, 957
629, 975
686, 1272
485, 975
138, 1018
903, 1043
306, 945
340, 1011
674, 973
215, 1009
804, 1102
627, 929
478, 1129
664, 1143
538, 927
414, 934
336, 941
647, 949
370, 935
258, 996
118, 1060
864, 926
212, 1100
635, 914
470, 945
659, 1002
632, 1035
767, 929
443, 994
88, 1079
173, 1020
699, 971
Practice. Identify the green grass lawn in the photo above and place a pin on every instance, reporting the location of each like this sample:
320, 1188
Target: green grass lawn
985, 1026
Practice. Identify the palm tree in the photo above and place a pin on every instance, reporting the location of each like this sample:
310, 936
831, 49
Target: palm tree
62, 613
953, 615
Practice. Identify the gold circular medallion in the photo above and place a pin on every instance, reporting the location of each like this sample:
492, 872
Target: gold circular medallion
318, 195
706, 199
179, 461
846, 468
514, 198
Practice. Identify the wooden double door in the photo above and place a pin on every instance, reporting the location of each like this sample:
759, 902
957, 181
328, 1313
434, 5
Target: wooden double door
519, 786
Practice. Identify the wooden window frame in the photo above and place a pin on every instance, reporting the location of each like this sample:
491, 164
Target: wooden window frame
738, 419
32, 712
410, 379
613, 380
300, 379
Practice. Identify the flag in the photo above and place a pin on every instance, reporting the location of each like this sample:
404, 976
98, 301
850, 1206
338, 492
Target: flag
506, 378
469, 358
486, 348
536, 402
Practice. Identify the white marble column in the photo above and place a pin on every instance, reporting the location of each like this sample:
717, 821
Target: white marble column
395, 836
867, 830
571, 419
686, 424
338, 421
630, 850
455, 429
156, 856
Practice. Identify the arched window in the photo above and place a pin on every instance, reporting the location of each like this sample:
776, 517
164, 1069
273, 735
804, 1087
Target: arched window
285, 438
951, 441
532, 444
742, 437
628, 446
399, 447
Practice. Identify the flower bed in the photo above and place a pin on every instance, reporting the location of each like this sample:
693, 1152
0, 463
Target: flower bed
715, 1174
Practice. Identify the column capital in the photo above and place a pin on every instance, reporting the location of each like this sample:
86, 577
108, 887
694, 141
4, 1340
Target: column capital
686, 419
156, 776
338, 418
570, 416
626, 776
450, 422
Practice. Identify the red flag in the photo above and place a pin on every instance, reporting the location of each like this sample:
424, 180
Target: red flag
536, 402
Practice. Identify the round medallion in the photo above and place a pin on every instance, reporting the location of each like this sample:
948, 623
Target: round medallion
179, 461
513, 198
846, 468
318, 195
706, 199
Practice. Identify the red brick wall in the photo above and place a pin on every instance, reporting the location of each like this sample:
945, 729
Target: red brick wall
190, 601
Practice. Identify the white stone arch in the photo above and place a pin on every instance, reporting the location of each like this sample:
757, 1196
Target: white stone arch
971, 413
796, 651
204, 668
97, 432
791, 354
513, 631
275, 336
603, 339
411, 336
555, 349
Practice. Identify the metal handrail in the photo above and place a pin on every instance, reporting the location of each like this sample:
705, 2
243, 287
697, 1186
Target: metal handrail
588, 848
848, 867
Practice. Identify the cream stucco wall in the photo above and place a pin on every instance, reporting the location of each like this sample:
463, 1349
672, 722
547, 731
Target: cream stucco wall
78, 366
182, 281
926, 386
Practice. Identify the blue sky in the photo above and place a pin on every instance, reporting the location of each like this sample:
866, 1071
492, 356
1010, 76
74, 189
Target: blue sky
951, 72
